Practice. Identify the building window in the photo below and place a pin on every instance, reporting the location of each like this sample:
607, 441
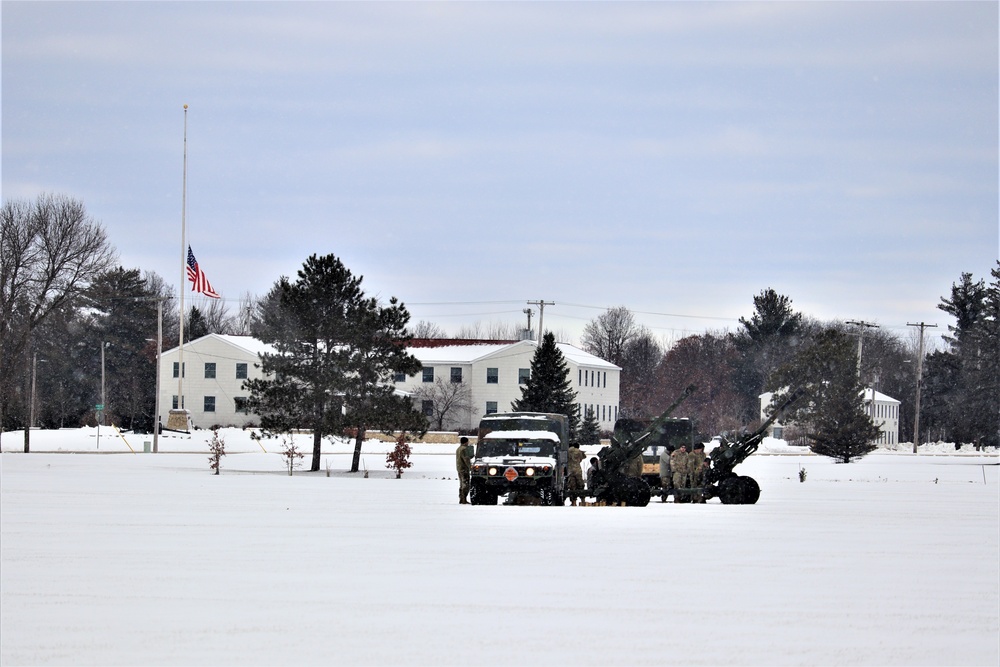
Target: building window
429, 374
456, 374
491, 407
210, 370
427, 407
241, 371
241, 404
579, 377
176, 365
522, 375
174, 403
210, 404
399, 377
492, 376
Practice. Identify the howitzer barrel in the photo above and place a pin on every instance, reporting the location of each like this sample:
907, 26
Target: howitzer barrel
730, 454
625, 446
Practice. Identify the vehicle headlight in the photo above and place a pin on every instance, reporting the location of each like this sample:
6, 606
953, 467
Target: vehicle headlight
530, 472
492, 471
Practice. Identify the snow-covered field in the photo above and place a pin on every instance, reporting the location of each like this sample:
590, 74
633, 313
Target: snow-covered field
125, 559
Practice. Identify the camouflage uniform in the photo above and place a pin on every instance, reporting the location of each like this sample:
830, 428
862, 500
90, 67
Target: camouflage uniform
634, 466
696, 471
666, 476
463, 464
574, 475
679, 466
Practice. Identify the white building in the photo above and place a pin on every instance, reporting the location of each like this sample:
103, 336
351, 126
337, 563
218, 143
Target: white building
885, 414
495, 373
215, 367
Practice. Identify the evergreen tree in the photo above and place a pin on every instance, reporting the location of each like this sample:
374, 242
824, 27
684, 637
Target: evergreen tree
590, 430
963, 388
833, 406
548, 388
196, 326
124, 319
768, 339
332, 345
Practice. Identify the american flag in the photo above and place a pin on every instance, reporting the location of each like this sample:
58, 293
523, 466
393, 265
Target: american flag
199, 283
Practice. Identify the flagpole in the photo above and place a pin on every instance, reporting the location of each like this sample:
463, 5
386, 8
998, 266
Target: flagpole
178, 417
180, 343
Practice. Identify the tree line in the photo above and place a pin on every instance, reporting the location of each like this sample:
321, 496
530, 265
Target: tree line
64, 299
777, 347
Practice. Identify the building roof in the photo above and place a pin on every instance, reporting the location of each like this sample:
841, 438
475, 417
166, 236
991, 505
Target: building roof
440, 352
246, 343
466, 353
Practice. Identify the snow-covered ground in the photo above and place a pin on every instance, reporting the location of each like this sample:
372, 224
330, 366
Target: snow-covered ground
149, 559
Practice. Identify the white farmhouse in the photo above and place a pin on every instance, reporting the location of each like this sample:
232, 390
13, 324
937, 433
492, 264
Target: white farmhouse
215, 367
496, 371
884, 412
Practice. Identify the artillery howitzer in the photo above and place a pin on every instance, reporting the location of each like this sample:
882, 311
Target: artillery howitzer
612, 484
720, 480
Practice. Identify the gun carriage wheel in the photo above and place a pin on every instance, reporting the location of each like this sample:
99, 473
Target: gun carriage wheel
741, 490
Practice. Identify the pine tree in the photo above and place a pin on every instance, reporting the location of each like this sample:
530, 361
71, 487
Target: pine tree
590, 431
548, 388
765, 342
334, 349
833, 408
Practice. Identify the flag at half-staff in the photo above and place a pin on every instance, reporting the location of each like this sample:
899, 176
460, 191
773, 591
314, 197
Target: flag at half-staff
199, 283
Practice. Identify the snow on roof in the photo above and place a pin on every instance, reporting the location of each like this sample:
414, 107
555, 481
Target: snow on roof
444, 354
455, 353
521, 435
465, 354
245, 343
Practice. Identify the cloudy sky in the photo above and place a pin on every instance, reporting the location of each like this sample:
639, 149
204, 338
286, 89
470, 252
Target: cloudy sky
674, 158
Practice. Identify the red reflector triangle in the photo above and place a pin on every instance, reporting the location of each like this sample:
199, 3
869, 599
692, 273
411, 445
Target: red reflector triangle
510, 474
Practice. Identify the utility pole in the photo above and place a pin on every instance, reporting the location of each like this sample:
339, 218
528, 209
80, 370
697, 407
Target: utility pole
159, 347
529, 312
920, 382
862, 325
541, 316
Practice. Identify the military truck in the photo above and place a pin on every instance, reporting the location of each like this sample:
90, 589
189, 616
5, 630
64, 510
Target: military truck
520, 455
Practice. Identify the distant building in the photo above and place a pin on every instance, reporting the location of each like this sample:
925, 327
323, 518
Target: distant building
496, 371
215, 367
886, 416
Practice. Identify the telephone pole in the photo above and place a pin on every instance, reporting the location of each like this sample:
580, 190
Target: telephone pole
920, 382
862, 325
541, 316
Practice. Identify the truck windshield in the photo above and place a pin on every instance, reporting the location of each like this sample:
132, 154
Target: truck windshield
516, 447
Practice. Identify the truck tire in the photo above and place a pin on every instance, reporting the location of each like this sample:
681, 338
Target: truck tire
480, 495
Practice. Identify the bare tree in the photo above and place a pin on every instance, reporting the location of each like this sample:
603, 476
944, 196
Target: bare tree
217, 317
451, 401
490, 331
240, 322
641, 358
607, 335
424, 329
50, 251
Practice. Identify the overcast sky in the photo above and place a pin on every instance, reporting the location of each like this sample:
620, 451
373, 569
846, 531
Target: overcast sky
674, 158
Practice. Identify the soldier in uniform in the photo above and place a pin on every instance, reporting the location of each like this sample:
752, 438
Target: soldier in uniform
696, 471
666, 476
592, 473
574, 475
463, 464
679, 467
634, 466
